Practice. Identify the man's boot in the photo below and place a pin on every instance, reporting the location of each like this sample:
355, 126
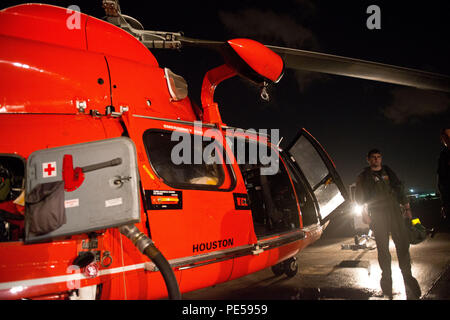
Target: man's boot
412, 288
386, 286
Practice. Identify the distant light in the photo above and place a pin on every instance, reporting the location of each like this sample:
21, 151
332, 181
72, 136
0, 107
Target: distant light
411, 190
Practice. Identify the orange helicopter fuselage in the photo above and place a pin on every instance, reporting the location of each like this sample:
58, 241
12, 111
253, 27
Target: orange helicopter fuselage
56, 83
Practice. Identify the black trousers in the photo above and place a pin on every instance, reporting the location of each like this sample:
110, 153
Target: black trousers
389, 221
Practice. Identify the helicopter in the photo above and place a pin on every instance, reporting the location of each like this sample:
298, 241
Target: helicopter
95, 202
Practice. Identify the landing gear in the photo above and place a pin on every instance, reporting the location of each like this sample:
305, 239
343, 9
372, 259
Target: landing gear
278, 269
291, 267
288, 267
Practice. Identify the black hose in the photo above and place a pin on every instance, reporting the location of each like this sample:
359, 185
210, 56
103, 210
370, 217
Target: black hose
147, 247
166, 270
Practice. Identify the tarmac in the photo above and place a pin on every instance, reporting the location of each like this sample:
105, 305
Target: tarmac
334, 268
329, 272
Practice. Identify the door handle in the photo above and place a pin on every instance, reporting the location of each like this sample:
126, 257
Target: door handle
119, 180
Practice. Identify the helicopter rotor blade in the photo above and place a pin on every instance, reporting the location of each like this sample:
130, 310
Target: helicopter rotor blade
337, 65
293, 58
191, 42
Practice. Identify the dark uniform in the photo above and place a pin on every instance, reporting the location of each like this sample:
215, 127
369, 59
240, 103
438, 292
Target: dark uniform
444, 179
383, 193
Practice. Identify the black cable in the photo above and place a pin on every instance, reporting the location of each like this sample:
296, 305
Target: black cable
166, 270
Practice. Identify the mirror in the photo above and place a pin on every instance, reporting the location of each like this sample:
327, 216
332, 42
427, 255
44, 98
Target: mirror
177, 85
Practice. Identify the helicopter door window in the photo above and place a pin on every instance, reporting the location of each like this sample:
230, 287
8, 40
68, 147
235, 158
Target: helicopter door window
319, 172
188, 171
12, 208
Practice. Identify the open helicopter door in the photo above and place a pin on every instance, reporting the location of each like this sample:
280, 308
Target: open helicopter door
316, 166
81, 188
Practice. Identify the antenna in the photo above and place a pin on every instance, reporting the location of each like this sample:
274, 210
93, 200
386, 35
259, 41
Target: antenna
151, 39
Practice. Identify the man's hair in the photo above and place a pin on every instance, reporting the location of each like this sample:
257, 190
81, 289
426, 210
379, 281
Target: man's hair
373, 151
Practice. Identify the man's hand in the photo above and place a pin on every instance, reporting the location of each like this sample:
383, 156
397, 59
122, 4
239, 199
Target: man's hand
444, 212
407, 211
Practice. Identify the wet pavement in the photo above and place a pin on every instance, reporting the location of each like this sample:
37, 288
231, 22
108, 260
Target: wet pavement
331, 270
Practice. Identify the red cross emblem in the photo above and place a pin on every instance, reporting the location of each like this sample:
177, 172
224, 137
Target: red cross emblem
49, 169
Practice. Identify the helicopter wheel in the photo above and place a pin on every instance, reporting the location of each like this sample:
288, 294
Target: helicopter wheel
278, 269
291, 267
288, 267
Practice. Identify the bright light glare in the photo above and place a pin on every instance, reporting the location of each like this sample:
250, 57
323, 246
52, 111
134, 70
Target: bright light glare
357, 209
17, 289
331, 205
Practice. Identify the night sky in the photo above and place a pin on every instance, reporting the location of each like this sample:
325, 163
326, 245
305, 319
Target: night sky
348, 116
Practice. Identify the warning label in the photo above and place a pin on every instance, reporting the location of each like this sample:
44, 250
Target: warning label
163, 199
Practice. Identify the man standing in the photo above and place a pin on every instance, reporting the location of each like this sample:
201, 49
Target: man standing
444, 173
379, 188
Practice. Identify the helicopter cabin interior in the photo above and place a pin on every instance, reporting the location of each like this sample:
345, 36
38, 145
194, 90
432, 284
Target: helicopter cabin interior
12, 170
271, 197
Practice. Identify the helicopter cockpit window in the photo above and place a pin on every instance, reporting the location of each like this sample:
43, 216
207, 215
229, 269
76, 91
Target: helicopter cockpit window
196, 166
12, 198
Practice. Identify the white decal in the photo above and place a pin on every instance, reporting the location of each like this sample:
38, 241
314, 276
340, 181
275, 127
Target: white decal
113, 202
49, 169
72, 203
